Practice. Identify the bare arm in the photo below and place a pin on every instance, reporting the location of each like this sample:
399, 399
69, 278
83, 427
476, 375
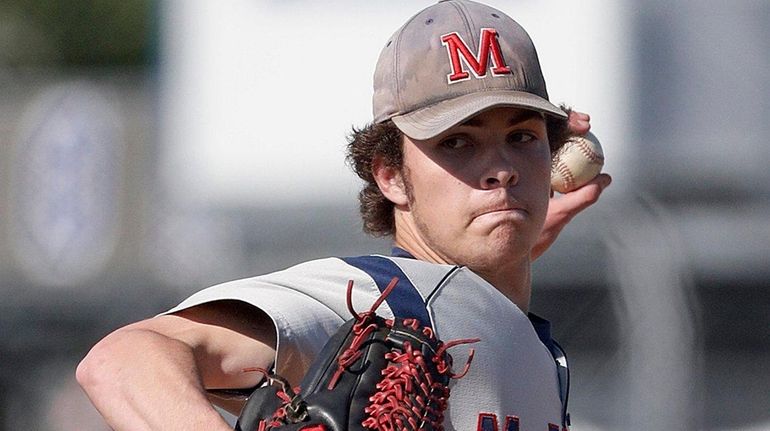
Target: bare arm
152, 375
564, 208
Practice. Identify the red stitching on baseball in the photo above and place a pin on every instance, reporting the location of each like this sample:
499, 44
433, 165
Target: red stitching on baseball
587, 151
566, 175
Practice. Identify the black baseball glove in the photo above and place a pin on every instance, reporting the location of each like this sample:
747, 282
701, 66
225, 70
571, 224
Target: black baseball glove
373, 374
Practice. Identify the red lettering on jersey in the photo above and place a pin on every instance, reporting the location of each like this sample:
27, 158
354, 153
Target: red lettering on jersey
552, 427
319, 427
511, 423
488, 422
488, 44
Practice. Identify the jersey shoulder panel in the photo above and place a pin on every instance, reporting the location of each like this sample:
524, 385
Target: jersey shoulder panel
322, 281
306, 303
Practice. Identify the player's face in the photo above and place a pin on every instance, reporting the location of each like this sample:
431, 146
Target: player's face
478, 193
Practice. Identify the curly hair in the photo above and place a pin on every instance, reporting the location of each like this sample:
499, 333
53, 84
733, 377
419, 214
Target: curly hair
385, 140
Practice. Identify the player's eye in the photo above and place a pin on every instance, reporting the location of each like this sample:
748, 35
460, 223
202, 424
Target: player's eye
520, 138
455, 143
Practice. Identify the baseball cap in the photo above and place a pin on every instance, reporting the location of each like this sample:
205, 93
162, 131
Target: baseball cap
452, 61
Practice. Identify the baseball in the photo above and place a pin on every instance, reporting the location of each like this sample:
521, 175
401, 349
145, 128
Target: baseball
576, 163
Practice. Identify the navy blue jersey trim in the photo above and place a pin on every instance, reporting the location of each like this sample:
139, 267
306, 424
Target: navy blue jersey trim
400, 252
542, 328
405, 301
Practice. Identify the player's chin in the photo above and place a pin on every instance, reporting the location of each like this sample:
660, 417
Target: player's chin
494, 259
505, 243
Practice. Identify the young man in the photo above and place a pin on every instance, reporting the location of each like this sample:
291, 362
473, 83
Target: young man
457, 168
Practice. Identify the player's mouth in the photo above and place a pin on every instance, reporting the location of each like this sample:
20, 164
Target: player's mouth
501, 212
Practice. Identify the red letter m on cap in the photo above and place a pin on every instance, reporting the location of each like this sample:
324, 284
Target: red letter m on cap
488, 44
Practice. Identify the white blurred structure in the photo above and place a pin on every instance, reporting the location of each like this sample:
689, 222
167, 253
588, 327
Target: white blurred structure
67, 178
258, 96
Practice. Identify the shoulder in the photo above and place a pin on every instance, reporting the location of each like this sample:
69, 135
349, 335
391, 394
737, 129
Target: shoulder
316, 284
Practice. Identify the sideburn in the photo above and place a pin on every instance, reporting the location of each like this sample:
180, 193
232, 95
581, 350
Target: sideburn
407, 184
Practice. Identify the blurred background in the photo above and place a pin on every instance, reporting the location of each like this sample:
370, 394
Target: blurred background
149, 149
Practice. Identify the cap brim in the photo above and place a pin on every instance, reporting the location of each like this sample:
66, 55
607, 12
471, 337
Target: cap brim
433, 120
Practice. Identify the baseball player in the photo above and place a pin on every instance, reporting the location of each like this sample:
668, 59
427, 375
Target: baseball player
456, 169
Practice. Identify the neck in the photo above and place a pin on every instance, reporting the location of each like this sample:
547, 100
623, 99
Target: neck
407, 238
513, 280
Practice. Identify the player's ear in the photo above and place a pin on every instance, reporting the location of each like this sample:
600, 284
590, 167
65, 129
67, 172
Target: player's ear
390, 180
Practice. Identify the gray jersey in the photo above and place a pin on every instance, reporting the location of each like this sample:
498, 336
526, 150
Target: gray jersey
514, 380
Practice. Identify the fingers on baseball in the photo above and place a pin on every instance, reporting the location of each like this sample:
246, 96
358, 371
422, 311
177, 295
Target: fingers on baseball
579, 122
579, 199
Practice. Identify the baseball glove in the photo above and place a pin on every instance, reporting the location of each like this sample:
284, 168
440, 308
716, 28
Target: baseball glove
373, 374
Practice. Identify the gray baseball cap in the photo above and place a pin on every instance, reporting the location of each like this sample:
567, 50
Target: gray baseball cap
452, 61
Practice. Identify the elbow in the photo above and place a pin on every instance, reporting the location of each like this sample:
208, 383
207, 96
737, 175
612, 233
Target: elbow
94, 370
86, 372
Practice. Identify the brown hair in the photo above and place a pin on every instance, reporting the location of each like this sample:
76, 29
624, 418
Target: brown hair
385, 140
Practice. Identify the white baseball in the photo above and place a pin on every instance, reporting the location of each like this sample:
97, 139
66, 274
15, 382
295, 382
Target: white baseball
577, 162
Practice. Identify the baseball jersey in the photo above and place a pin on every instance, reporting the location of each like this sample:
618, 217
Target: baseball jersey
517, 380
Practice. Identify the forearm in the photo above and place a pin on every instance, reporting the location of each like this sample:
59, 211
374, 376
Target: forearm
141, 380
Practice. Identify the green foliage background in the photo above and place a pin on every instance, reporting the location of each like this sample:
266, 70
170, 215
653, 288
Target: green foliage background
74, 33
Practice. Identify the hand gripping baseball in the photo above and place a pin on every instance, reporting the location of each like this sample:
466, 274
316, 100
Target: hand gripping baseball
373, 374
576, 163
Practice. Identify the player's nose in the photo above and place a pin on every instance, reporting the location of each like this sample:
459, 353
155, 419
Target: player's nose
500, 172
501, 179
